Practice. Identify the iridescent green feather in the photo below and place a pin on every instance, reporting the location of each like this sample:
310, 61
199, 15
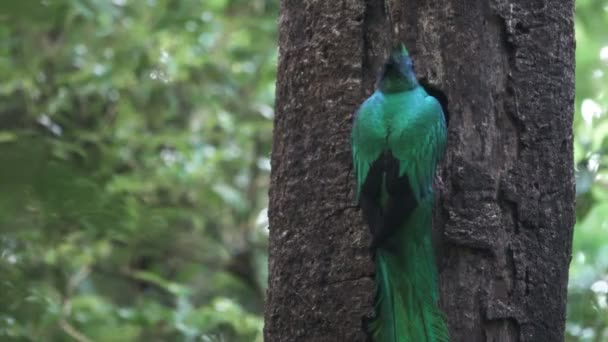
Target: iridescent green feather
409, 124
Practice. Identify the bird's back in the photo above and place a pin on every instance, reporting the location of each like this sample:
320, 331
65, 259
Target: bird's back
399, 125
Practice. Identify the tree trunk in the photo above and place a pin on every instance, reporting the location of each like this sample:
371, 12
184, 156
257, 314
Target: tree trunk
505, 212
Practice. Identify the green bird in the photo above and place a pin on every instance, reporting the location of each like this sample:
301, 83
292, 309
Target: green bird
398, 136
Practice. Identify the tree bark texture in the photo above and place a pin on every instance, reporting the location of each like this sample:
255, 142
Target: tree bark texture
505, 208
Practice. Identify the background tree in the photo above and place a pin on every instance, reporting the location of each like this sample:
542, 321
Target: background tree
506, 210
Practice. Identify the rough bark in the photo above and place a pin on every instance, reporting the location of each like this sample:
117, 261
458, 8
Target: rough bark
505, 212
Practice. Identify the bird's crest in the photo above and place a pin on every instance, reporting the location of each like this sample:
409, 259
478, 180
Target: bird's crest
404, 52
400, 51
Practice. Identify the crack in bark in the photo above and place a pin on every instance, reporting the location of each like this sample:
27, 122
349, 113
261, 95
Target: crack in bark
341, 281
339, 211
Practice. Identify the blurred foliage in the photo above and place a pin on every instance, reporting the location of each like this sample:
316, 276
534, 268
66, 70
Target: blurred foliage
588, 287
134, 143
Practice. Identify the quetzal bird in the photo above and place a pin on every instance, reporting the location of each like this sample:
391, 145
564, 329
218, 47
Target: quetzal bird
398, 136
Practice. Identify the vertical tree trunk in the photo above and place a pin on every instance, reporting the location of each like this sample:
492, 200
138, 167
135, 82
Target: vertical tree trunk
505, 213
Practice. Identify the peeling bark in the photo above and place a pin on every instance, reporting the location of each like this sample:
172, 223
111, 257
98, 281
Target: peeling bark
505, 212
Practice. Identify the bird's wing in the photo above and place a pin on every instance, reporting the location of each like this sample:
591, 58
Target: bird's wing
419, 145
367, 139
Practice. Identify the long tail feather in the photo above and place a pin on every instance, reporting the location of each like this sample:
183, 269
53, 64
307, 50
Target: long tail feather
406, 286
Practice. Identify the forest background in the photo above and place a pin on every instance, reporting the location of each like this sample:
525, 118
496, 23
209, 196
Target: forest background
134, 161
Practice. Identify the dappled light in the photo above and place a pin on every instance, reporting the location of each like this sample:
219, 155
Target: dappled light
588, 285
135, 140
134, 143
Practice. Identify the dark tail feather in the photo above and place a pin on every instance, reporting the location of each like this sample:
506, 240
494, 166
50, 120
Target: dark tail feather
406, 288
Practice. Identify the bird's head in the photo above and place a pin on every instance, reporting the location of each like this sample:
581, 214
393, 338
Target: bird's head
398, 74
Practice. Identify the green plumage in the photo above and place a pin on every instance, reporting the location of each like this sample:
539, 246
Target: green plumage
398, 136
